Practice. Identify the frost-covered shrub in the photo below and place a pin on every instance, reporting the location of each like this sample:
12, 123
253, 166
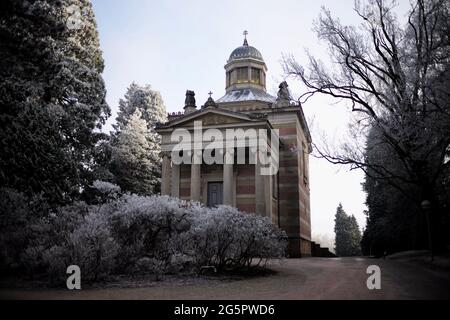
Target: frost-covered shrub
227, 238
92, 247
148, 227
72, 235
139, 235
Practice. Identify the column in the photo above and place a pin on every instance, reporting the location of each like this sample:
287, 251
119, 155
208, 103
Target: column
260, 198
196, 176
228, 178
165, 175
175, 181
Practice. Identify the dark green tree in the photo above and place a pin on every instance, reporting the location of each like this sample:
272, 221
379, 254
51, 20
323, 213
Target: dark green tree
348, 235
52, 96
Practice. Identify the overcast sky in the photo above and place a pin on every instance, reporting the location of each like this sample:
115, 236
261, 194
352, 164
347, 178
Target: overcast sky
179, 45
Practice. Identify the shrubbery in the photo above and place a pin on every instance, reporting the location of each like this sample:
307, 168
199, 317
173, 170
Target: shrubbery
130, 234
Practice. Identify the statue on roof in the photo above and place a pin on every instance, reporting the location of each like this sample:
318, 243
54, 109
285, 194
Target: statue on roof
190, 99
284, 96
189, 103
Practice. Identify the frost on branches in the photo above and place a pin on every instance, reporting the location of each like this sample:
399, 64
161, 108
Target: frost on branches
139, 113
52, 97
135, 235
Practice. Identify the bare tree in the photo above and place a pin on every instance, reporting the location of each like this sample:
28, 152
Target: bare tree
389, 75
396, 80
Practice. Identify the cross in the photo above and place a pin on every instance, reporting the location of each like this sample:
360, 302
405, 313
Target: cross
245, 34
210, 94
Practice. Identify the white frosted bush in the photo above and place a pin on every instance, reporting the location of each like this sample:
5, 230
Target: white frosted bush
148, 235
147, 227
92, 247
224, 237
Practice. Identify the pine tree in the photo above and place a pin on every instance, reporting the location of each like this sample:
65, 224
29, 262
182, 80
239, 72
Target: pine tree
52, 96
355, 236
152, 111
348, 235
131, 160
149, 103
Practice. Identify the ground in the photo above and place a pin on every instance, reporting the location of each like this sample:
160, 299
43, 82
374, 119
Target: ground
309, 278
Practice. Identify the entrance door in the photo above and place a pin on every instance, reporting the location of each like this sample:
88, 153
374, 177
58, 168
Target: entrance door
215, 194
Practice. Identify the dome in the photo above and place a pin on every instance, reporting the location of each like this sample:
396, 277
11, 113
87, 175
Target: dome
245, 52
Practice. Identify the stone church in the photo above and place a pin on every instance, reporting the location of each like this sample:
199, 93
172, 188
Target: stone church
283, 197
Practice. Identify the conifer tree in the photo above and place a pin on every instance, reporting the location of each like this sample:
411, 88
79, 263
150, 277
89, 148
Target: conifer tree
52, 96
131, 160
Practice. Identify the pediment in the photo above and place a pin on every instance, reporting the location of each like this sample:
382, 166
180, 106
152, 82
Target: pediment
211, 117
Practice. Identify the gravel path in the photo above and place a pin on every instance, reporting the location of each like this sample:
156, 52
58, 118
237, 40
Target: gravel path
312, 278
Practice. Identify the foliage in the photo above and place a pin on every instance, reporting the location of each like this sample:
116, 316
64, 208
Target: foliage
144, 99
52, 97
134, 234
396, 80
348, 235
139, 113
133, 161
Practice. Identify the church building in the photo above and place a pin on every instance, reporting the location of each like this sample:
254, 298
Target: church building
283, 197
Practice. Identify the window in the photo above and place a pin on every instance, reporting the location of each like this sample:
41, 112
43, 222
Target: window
228, 79
256, 76
242, 75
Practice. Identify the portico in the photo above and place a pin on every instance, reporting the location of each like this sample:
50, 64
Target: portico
193, 178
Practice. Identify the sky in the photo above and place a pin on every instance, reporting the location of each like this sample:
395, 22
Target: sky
183, 45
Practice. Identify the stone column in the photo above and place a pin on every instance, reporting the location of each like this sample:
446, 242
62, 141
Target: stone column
175, 180
228, 178
196, 176
165, 175
260, 197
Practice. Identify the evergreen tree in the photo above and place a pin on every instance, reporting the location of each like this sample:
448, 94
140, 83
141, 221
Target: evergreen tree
348, 235
152, 111
52, 96
149, 103
355, 237
131, 159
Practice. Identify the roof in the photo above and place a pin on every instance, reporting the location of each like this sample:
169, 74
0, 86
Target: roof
247, 94
245, 52
215, 110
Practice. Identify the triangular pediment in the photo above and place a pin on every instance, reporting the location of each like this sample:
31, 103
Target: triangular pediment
210, 117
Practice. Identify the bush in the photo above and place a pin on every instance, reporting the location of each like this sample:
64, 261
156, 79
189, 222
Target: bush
147, 235
226, 238
92, 247
147, 227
